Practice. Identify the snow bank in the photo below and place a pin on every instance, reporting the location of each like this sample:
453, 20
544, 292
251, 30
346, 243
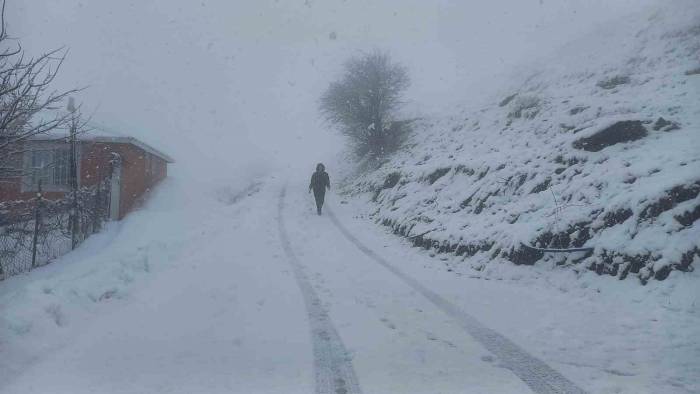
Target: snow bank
596, 147
45, 309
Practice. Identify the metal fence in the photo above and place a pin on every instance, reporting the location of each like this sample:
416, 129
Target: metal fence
35, 232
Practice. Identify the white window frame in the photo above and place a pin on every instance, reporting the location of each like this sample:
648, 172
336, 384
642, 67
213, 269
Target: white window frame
29, 183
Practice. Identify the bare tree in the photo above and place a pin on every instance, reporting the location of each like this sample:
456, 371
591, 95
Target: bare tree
28, 104
363, 104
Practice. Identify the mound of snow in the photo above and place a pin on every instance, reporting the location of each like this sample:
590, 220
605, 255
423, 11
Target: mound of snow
43, 310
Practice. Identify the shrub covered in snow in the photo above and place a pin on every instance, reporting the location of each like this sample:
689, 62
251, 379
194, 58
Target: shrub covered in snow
613, 82
524, 107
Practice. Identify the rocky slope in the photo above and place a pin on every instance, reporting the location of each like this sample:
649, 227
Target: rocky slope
596, 148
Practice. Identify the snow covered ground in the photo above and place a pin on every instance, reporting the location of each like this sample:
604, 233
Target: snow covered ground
196, 293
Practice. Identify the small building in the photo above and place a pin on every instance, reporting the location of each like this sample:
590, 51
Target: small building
129, 166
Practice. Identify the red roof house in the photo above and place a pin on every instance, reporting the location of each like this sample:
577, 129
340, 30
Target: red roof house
130, 166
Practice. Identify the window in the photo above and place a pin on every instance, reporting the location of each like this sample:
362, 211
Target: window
61, 167
51, 166
154, 166
149, 167
40, 166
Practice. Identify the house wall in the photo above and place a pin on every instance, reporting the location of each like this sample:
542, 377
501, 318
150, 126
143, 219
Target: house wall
139, 175
140, 172
11, 188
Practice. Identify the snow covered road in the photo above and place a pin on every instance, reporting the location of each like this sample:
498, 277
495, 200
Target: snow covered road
538, 375
333, 371
398, 340
261, 295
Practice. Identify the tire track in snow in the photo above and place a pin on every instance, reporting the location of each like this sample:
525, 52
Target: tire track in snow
333, 370
540, 377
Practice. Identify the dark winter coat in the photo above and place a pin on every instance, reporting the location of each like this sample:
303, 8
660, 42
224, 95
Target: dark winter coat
319, 182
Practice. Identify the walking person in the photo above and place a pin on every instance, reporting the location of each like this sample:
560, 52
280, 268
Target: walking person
319, 183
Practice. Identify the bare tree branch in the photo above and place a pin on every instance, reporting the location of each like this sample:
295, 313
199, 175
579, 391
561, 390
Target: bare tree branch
28, 105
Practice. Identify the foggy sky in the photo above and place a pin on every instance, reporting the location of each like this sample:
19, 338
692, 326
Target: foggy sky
222, 85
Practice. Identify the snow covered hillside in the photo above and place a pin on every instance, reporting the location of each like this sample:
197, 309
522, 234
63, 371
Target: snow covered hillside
596, 147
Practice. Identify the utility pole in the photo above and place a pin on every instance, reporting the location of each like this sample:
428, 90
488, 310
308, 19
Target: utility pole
73, 174
37, 220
